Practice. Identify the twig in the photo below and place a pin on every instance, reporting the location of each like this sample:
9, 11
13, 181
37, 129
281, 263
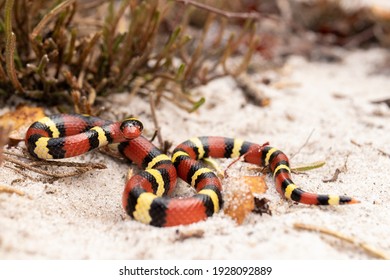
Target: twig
367, 248
10, 153
11, 190
226, 14
385, 101
69, 164
334, 177
55, 174
155, 120
382, 152
303, 145
356, 143
337, 172
253, 93
19, 171
58, 163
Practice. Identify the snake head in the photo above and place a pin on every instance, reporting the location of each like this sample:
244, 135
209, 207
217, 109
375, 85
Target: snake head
131, 128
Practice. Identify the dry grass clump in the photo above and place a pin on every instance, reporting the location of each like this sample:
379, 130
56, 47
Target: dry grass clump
71, 52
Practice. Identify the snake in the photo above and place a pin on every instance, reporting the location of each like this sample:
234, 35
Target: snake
147, 195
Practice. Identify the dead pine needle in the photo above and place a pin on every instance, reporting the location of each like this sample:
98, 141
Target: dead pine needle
365, 247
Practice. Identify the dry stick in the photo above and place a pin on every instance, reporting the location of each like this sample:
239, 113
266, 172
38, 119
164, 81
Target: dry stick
382, 152
70, 164
303, 145
155, 121
183, 235
251, 15
11, 190
251, 91
370, 250
337, 172
355, 143
7, 152
59, 163
334, 177
57, 175
385, 101
19, 171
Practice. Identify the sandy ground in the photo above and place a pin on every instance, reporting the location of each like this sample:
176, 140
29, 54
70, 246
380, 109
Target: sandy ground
327, 105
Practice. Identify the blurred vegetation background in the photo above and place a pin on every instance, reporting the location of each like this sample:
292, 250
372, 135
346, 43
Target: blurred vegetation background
71, 53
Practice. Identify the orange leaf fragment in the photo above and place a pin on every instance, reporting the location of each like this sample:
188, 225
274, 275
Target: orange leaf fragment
19, 120
256, 184
238, 204
240, 199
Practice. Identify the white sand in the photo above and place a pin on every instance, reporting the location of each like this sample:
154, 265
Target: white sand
82, 217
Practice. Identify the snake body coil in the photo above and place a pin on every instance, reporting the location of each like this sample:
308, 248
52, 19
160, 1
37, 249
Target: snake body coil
146, 194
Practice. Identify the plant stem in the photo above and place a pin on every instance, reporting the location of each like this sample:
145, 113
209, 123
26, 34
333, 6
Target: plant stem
220, 12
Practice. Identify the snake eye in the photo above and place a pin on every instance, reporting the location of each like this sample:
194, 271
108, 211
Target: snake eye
131, 128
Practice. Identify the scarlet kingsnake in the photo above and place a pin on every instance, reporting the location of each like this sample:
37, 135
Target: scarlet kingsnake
146, 195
